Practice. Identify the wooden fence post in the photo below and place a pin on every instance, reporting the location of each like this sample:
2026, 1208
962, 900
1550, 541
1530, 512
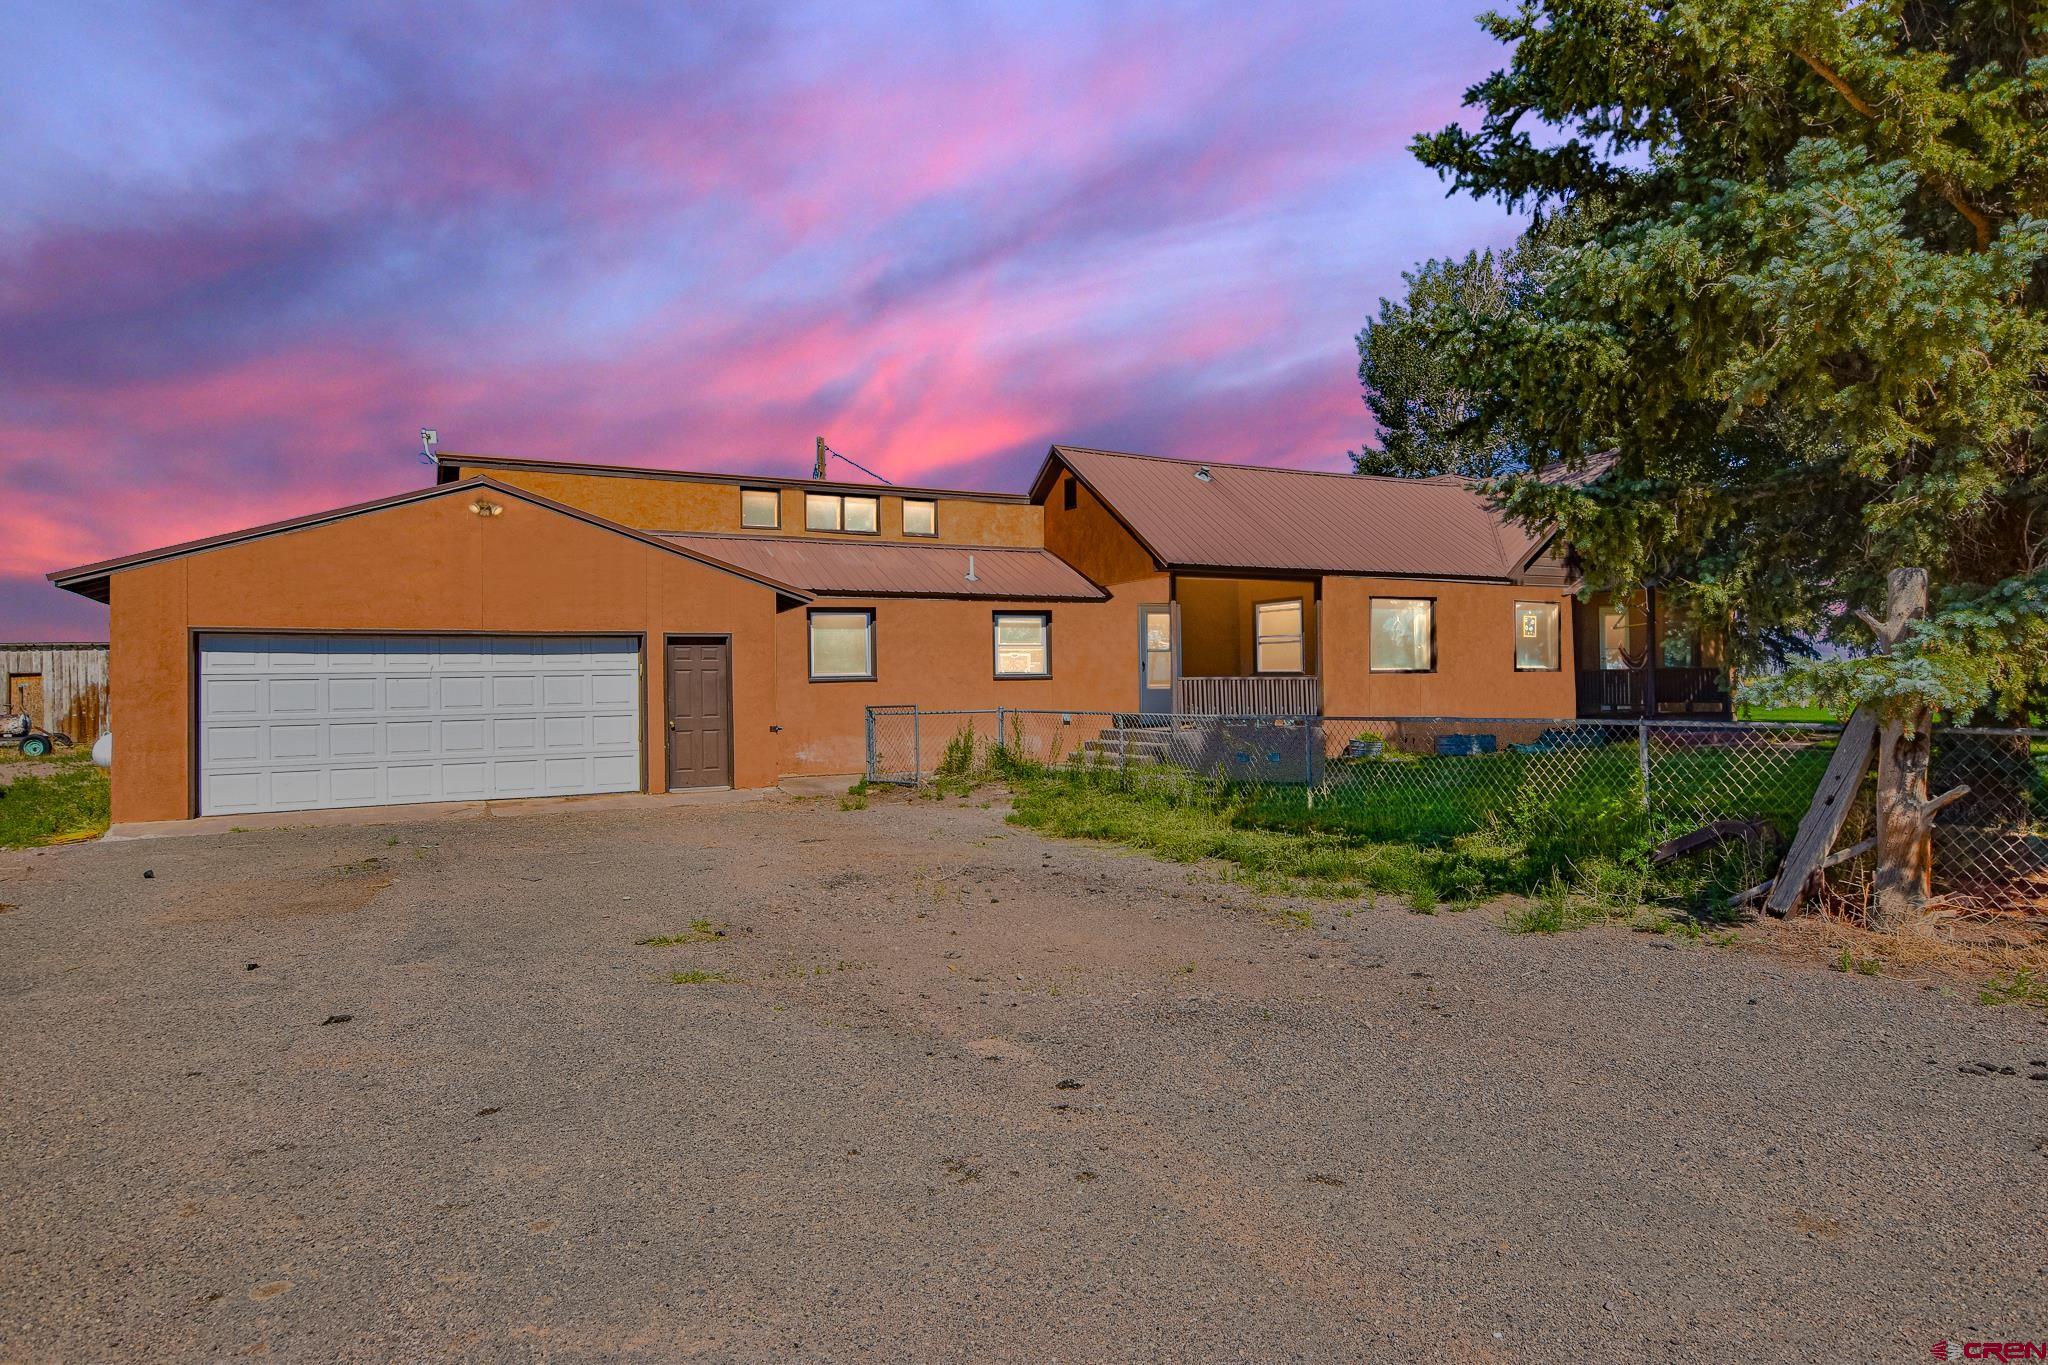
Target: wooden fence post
1824, 818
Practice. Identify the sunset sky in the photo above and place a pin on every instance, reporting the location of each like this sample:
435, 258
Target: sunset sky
247, 250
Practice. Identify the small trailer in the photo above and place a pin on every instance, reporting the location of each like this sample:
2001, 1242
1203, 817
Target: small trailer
17, 731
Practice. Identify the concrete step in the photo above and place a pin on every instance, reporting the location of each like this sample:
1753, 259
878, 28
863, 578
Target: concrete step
1116, 751
1131, 744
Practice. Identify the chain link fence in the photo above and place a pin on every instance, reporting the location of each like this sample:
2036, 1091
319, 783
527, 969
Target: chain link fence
1991, 847
1429, 780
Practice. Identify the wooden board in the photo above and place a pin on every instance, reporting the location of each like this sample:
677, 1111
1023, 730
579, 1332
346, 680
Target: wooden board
1707, 836
1822, 823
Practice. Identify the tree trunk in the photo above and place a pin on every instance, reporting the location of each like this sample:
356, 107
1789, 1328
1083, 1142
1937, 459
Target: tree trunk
1904, 824
1904, 832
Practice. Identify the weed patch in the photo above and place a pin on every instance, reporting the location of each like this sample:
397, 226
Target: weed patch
700, 931
1182, 819
695, 976
2023, 987
58, 807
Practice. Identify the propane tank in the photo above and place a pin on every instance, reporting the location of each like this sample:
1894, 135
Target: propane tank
103, 750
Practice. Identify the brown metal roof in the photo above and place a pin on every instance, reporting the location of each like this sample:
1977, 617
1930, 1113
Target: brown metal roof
448, 462
1257, 517
90, 580
888, 568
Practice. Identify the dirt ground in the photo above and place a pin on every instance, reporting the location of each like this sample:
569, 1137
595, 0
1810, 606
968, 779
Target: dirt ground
933, 1087
13, 767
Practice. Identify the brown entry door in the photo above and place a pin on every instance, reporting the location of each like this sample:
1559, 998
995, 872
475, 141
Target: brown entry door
699, 714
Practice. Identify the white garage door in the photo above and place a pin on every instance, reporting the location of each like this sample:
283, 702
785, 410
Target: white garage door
301, 722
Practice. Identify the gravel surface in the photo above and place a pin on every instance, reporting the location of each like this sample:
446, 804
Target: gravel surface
416, 1090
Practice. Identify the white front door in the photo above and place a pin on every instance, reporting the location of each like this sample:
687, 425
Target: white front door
304, 722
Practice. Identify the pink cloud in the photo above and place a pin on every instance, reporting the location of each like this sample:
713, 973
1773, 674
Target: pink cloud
943, 243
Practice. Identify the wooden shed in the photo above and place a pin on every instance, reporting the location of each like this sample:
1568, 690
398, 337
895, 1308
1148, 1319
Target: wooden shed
62, 687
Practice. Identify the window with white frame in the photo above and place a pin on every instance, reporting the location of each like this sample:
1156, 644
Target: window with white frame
920, 517
760, 507
1614, 637
1536, 642
855, 512
1278, 647
842, 645
1403, 635
1023, 644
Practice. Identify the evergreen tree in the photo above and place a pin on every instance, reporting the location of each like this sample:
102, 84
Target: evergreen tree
1809, 320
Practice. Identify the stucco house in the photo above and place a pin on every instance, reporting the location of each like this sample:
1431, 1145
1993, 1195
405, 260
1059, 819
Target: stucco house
534, 627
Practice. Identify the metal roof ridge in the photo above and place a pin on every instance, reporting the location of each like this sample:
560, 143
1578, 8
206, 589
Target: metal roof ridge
1430, 481
451, 458
861, 544
66, 578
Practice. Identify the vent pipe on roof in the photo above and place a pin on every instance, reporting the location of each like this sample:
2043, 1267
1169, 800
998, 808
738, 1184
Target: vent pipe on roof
970, 570
1202, 473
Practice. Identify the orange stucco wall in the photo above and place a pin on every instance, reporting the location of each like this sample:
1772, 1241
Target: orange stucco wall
1475, 659
939, 654
1218, 630
429, 566
654, 504
1092, 540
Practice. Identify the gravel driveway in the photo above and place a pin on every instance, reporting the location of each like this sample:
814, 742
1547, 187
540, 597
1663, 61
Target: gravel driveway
416, 1090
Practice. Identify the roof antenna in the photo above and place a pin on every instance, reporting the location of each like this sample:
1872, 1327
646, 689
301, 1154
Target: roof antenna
824, 450
429, 438
970, 569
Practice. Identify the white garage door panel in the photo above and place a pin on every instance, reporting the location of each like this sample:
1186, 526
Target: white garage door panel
301, 722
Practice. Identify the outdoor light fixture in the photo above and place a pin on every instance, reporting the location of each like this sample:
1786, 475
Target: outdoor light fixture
484, 507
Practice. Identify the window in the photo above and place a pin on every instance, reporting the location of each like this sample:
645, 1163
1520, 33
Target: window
920, 517
1279, 643
1614, 637
842, 644
1155, 631
1536, 649
1403, 635
856, 512
760, 507
1070, 498
1023, 644
1680, 647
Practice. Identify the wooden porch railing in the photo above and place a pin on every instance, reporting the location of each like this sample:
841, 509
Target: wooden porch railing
1293, 695
1619, 692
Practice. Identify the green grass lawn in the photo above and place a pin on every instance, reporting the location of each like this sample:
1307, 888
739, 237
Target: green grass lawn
1433, 800
57, 807
1432, 831
1568, 825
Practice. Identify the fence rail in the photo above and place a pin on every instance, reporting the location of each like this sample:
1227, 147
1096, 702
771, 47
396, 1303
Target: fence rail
1432, 779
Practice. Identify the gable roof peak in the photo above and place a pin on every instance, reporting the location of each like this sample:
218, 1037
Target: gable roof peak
1270, 518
